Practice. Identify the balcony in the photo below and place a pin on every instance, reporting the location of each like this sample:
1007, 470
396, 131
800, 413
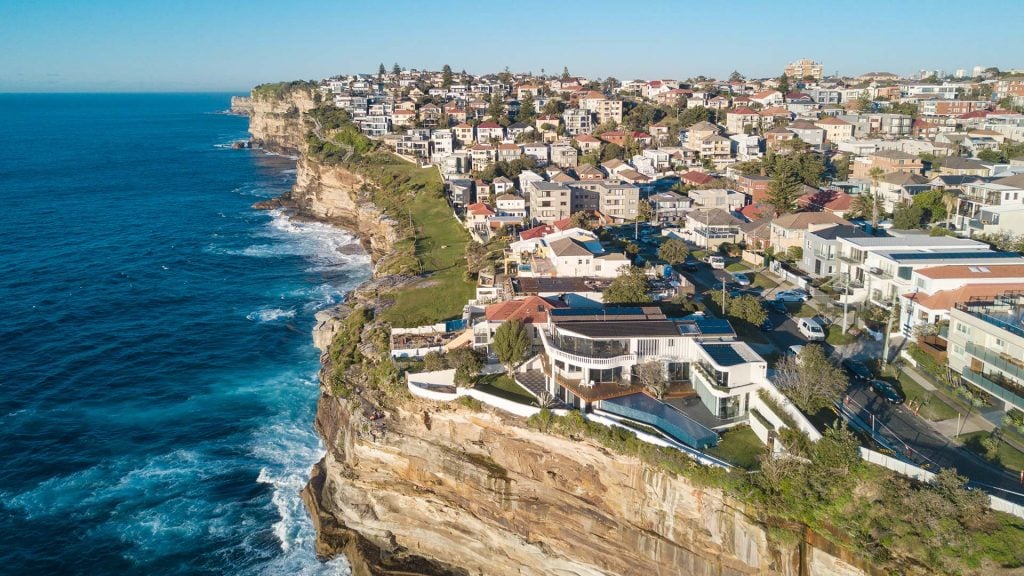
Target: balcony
1003, 362
988, 384
705, 375
597, 357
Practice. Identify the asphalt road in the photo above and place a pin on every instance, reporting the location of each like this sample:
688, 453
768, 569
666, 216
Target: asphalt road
914, 437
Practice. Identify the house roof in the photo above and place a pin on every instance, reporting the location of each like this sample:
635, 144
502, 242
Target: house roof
488, 125
587, 138
827, 200
613, 163
589, 170
696, 177
569, 247
961, 163
760, 228
479, 209
630, 174
765, 94
464, 125
536, 232
840, 231
562, 177
529, 310
946, 299
894, 155
803, 220
1013, 181
775, 111
502, 180
902, 179
507, 197
833, 121
713, 217
702, 126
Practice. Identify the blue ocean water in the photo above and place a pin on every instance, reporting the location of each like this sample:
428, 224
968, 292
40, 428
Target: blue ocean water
157, 380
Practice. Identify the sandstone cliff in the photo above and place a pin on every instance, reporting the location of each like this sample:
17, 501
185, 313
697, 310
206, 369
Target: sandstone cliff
441, 489
241, 105
276, 122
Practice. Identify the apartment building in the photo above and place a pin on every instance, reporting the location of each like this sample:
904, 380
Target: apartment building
804, 68
721, 198
578, 121
616, 199
549, 201
986, 345
980, 196
889, 161
936, 290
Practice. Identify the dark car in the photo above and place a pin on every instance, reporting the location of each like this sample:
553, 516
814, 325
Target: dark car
776, 306
767, 325
857, 369
887, 390
690, 266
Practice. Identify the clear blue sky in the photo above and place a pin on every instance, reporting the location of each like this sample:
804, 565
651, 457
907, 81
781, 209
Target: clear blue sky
150, 45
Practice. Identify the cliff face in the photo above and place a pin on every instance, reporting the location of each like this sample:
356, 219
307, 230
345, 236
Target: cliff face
275, 121
332, 193
241, 105
482, 492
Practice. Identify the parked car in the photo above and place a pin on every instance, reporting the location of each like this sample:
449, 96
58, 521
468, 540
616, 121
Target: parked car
857, 369
741, 279
778, 307
792, 296
717, 262
794, 350
888, 390
810, 329
767, 325
690, 266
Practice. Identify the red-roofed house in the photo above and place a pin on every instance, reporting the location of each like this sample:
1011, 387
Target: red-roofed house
532, 311
618, 137
536, 232
695, 178
476, 217
838, 203
741, 120
487, 130
768, 98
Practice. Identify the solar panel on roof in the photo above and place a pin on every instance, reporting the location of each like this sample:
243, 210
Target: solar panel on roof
724, 354
952, 255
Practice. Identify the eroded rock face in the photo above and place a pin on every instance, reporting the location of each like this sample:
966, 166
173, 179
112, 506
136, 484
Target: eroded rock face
484, 493
276, 123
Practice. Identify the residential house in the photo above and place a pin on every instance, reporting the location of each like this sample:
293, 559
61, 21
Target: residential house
531, 311
936, 290
768, 98
464, 133
617, 199
502, 185
476, 217
754, 186
549, 202
788, 230
960, 166
996, 220
821, 248
508, 152
831, 201
460, 191
483, 155
577, 121
710, 227
716, 148
836, 129
756, 234
721, 198
980, 195
986, 345
669, 206
742, 120
590, 172
538, 151
694, 178
588, 144
889, 161
573, 252
809, 133
486, 131
564, 156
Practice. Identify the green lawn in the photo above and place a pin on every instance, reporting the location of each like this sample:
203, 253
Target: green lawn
1007, 456
738, 267
739, 446
934, 408
836, 337
502, 385
440, 246
764, 282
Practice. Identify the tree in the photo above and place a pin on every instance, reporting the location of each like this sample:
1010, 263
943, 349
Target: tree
784, 84
496, 108
611, 150
863, 206
644, 211
553, 107
863, 102
990, 155
841, 167
381, 71
875, 174
810, 379
527, 109
932, 203
565, 74
748, 308
580, 219
396, 70
446, 77
691, 116
511, 342
735, 76
630, 287
907, 217
783, 192
674, 251
505, 77
467, 364
434, 361
651, 376
476, 258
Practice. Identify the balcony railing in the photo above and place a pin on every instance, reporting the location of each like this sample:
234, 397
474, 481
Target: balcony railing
584, 360
705, 375
1002, 362
982, 381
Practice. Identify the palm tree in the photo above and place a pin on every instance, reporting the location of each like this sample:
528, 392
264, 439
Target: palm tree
951, 201
863, 205
876, 174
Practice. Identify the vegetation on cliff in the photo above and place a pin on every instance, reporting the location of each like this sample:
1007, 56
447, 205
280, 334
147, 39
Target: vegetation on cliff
890, 520
278, 90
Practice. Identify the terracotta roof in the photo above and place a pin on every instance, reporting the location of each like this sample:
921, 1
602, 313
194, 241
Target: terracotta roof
945, 299
536, 232
508, 146
833, 121
984, 272
630, 174
529, 310
586, 138
827, 200
696, 177
562, 177
743, 112
464, 125
479, 209
775, 111
764, 94
489, 125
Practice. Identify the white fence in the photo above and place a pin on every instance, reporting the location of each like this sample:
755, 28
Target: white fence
896, 465
802, 423
776, 268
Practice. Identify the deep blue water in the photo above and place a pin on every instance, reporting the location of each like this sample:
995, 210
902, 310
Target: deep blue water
157, 381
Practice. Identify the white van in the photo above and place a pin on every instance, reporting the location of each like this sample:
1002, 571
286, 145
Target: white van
717, 262
810, 329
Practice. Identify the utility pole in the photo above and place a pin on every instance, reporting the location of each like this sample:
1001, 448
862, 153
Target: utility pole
846, 299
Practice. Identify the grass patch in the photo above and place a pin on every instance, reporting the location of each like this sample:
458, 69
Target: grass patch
933, 407
503, 386
739, 446
837, 337
765, 282
1005, 455
439, 248
805, 311
737, 267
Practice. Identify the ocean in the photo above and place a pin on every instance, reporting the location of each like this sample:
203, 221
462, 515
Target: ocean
157, 377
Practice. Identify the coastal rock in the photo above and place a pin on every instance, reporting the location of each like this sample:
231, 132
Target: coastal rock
483, 492
275, 122
241, 106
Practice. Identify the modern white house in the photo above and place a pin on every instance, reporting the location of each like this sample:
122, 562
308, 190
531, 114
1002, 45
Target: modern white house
572, 253
592, 357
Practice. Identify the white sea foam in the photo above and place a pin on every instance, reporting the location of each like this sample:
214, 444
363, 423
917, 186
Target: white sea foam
270, 314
